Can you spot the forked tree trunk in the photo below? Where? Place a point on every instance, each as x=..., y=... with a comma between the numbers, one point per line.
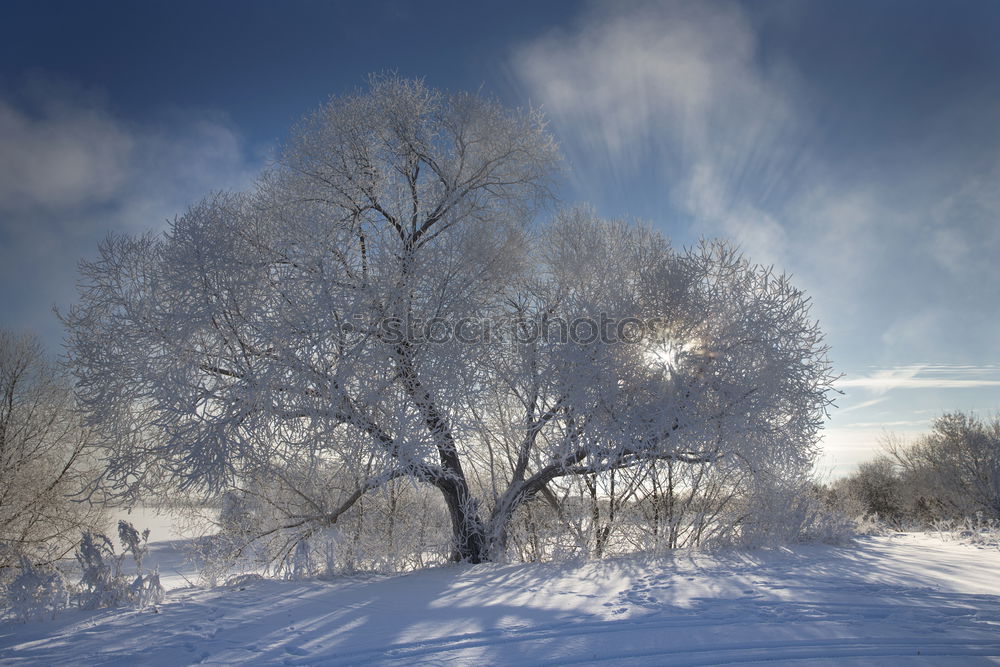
x=469, y=541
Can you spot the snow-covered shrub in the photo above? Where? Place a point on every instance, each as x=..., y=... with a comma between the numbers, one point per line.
x=648, y=509
x=782, y=512
x=103, y=582
x=36, y=592
x=558, y=528
x=684, y=506
x=292, y=523
x=955, y=468
x=877, y=486
x=821, y=525
x=146, y=589
x=670, y=506
x=133, y=542
x=976, y=530
x=219, y=554
x=872, y=524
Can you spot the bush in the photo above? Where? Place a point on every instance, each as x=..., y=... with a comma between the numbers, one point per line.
x=878, y=488
x=975, y=530
x=275, y=525
x=103, y=582
x=36, y=592
x=41, y=590
x=785, y=513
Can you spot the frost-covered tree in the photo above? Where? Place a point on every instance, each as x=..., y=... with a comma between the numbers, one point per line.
x=954, y=471
x=877, y=486
x=42, y=457
x=385, y=304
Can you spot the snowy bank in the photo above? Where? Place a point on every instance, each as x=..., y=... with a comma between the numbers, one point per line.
x=886, y=600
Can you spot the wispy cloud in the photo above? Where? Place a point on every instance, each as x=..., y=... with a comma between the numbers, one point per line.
x=668, y=97
x=846, y=447
x=863, y=406
x=71, y=172
x=683, y=112
x=65, y=156
x=930, y=376
x=900, y=423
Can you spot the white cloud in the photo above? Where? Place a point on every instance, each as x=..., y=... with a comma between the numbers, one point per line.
x=624, y=78
x=66, y=156
x=71, y=171
x=845, y=447
x=901, y=423
x=757, y=232
x=938, y=376
x=964, y=228
x=174, y=166
x=677, y=108
x=862, y=406
x=673, y=88
x=670, y=102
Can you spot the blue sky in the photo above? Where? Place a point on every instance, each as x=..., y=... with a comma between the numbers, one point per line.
x=853, y=144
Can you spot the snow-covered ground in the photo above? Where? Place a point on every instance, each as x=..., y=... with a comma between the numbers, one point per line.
x=906, y=599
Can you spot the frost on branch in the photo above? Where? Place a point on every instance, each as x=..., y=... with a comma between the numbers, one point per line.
x=268, y=331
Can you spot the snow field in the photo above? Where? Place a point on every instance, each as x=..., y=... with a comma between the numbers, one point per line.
x=905, y=599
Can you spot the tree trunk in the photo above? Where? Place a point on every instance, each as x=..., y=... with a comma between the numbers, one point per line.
x=469, y=543
x=468, y=534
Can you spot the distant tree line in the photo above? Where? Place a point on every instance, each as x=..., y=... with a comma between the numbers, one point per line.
x=951, y=473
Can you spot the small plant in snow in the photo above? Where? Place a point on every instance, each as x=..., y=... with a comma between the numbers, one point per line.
x=36, y=592
x=133, y=542
x=301, y=561
x=145, y=590
x=976, y=530
x=103, y=584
